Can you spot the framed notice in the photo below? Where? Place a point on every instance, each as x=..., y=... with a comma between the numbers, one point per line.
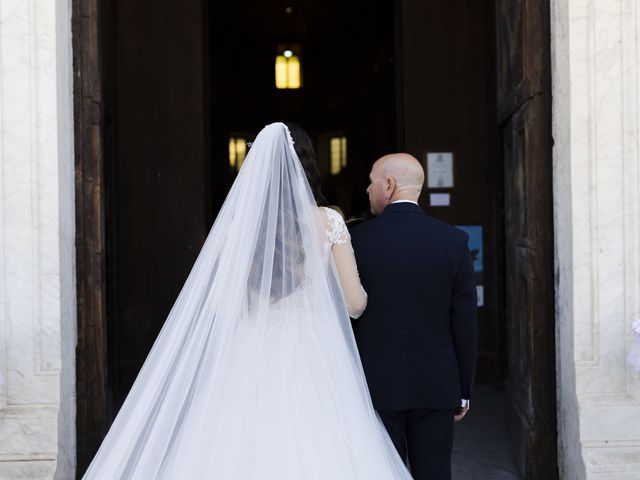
x=439, y=169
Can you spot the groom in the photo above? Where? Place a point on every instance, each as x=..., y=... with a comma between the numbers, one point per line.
x=417, y=337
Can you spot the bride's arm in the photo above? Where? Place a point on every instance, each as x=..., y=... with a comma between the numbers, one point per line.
x=345, y=261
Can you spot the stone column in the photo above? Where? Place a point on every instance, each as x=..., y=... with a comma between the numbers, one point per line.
x=596, y=104
x=37, y=291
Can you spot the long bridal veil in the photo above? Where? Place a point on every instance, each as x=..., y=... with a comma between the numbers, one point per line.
x=255, y=374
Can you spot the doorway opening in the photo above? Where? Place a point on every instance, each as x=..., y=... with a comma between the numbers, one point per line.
x=345, y=99
x=186, y=85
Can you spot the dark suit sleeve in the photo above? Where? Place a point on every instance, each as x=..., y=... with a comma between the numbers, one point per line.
x=463, y=321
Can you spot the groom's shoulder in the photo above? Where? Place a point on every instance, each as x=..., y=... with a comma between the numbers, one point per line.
x=443, y=226
x=447, y=229
x=360, y=226
x=367, y=230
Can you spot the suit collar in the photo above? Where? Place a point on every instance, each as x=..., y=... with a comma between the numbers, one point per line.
x=403, y=207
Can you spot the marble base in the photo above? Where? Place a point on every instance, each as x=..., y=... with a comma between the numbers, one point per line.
x=27, y=470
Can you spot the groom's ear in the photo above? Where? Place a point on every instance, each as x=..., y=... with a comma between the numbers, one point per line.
x=390, y=186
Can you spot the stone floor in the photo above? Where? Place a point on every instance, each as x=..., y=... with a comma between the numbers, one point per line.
x=481, y=445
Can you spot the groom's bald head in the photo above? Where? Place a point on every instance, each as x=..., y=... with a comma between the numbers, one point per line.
x=407, y=171
x=398, y=176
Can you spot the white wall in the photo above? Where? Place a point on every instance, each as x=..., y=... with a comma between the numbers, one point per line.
x=37, y=291
x=595, y=68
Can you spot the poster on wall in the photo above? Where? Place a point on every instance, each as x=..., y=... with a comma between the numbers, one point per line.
x=440, y=169
x=476, y=249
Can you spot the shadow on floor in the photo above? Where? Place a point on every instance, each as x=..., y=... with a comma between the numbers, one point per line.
x=481, y=443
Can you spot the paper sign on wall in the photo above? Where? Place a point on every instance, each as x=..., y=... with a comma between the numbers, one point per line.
x=480, y=294
x=440, y=169
x=439, y=200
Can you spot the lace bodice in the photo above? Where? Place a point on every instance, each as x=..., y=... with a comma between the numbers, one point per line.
x=338, y=241
x=337, y=233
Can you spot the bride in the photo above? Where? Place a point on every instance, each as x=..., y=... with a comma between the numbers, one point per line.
x=255, y=374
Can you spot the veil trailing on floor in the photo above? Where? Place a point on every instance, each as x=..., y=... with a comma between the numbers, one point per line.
x=255, y=374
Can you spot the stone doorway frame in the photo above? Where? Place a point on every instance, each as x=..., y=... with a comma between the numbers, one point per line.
x=91, y=355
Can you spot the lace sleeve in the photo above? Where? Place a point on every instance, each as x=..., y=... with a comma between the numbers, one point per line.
x=337, y=232
x=345, y=261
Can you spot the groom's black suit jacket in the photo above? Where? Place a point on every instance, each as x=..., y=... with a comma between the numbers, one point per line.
x=417, y=337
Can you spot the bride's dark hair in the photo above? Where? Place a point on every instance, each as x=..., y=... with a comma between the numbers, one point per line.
x=307, y=155
x=287, y=276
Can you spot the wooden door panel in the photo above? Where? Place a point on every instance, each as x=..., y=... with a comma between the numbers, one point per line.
x=522, y=53
x=156, y=171
x=509, y=60
x=523, y=111
x=91, y=400
x=529, y=290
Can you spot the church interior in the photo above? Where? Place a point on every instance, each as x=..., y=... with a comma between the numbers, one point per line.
x=187, y=85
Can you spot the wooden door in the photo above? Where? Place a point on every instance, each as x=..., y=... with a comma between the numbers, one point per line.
x=91, y=355
x=142, y=200
x=156, y=170
x=523, y=108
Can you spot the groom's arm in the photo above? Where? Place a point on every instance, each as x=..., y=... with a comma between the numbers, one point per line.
x=463, y=321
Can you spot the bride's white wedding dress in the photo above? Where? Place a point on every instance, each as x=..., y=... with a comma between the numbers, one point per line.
x=255, y=374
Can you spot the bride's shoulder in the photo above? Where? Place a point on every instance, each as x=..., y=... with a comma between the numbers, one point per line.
x=332, y=212
x=335, y=225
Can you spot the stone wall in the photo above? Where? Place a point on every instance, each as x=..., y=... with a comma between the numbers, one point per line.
x=596, y=107
x=37, y=292
x=596, y=58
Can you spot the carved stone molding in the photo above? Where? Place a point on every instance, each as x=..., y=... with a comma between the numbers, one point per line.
x=36, y=262
x=596, y=67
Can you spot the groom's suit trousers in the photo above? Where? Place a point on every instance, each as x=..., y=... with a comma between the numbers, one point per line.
x=424, y=437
